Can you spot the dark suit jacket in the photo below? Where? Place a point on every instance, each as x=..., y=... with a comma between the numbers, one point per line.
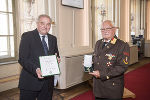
x=112, y=62
x=29, y=51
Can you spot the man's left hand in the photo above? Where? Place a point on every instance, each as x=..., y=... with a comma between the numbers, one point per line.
x=58, y=59
x=39, y=73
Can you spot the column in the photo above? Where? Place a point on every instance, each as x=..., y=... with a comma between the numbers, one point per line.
x=147, y=35
x=125, y=20
x=137, y=14
x=148, y=21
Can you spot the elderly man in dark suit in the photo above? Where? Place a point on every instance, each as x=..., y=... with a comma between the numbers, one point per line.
x=34, y=44
x=110, y=61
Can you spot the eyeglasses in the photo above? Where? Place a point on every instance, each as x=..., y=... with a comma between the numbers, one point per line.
x=107, y=29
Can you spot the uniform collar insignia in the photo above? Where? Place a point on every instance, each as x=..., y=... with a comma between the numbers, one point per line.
x=113, y=40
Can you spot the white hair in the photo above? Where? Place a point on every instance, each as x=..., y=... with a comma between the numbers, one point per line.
x=43, y=15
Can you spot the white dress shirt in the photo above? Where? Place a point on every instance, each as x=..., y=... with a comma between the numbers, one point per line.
x=46, y=39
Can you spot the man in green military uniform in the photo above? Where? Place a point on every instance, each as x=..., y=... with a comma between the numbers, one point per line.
x=110, y=60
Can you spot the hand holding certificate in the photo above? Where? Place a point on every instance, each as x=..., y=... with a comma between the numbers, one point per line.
x=88, y=63
x=49, y=65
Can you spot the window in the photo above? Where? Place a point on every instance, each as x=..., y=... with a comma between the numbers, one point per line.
x=7, y=33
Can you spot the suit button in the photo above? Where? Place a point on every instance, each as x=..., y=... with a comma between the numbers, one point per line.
x=113, y=84
x=97, y=63
x=107, y=77
x=99, y=57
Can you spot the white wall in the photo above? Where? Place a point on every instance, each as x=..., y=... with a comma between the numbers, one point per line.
x=74, y=29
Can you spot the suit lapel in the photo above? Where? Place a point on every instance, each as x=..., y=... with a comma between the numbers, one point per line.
x=38, y=41
x=49, y=42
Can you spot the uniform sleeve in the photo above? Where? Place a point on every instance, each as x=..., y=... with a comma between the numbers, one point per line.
x=24, y=55
x=120, y=66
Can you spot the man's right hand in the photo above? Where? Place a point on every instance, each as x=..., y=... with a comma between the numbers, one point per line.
x=95, y=73
x=39, y=73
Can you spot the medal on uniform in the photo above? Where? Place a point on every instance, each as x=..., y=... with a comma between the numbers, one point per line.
x=110, y=56
x=109, y=64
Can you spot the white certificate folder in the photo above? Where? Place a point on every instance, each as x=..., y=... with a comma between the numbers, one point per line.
x=49, y=65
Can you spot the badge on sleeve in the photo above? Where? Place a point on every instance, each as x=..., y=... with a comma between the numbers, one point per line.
x=126, y=53
x=125, y=60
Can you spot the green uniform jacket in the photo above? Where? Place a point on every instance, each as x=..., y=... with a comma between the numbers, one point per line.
x=112, y=62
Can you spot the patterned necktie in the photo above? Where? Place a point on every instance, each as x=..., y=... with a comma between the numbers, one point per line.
x=44, y=45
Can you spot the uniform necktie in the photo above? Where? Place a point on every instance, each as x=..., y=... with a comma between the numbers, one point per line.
x=44, y=45
x=104, y=43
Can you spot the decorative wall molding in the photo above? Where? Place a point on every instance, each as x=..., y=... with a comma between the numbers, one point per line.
x=9, y=79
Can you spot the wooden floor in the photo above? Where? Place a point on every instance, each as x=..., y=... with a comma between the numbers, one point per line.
x=67, y=94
